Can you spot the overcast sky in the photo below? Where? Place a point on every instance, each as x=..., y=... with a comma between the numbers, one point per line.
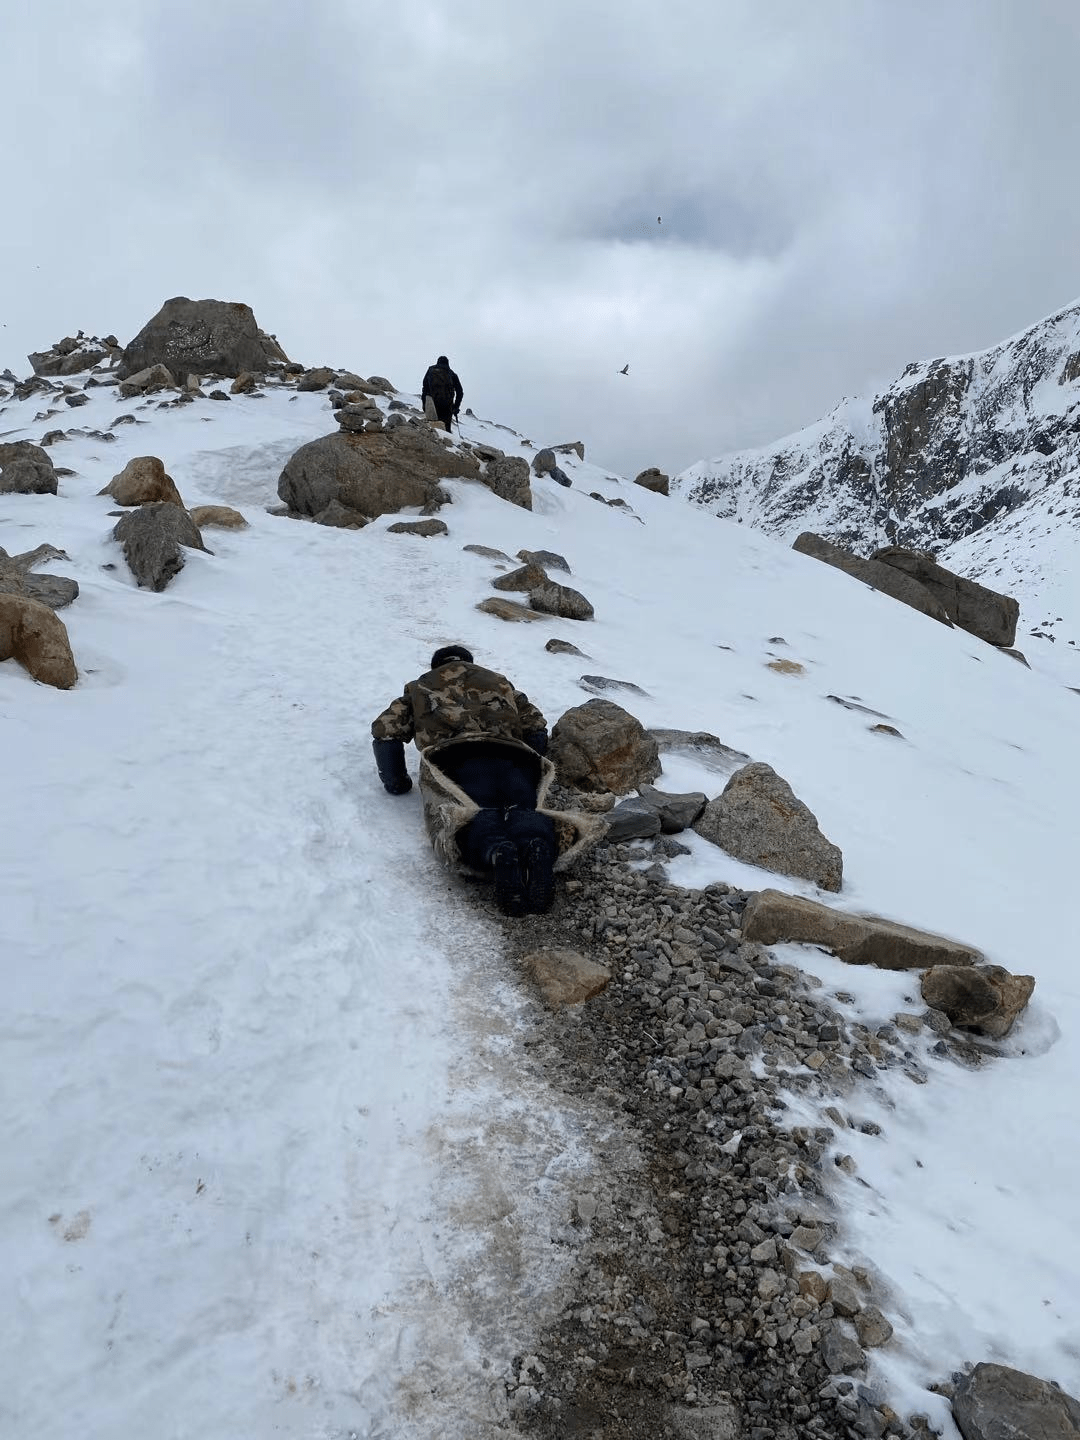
x=843, y=186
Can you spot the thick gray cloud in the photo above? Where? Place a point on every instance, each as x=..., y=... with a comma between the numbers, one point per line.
x=842, y=187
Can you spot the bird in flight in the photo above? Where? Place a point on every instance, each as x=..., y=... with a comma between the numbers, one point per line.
x=625, y=370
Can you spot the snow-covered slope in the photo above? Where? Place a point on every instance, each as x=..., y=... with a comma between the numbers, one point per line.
x=269, y=1125
x=984, y=445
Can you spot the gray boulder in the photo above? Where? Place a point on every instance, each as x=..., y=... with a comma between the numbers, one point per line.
x=524, y=578
x=602, y=685
x=209, y=337
x=995, y=1402
x=984, y=613
x=887, y=578
x=508, y=478
x=26, y=469
x=759, y=820
x=564, y=647
x=317, y=379
x=553, y=599
x=373, y=474
x=986, y=999
x=16, y=578
x=424, y=528
x=632, y=820
x=600, y=747
x=550, y=559
x=153, y=538
x=147, y=381
x=544, y=462
x=676, y=812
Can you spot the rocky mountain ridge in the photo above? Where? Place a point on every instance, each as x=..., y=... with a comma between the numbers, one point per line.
x=952, y=447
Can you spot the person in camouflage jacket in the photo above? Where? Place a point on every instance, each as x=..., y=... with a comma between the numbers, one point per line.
x=483, y=777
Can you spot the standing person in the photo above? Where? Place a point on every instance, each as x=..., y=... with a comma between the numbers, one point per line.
x=443, y=388
x=483, y=778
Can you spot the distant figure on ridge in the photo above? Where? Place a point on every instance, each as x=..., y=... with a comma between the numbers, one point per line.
x=483, y=778
x=443, y=388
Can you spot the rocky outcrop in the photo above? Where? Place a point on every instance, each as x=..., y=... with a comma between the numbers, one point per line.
x=985, y=998
x=773, y=918
x=153, y=539
x=223, y=517
x=653, y=479
x=759, y=820
x=566, y=977
x=995, y=1402
x=202, y=337
x=16, y=578
x=143, y=481
x=599, y=746
x=74, y=354
x=887, y=578
x=970, y=606
x=37, y=638
x=26, y=469
x=373, y=474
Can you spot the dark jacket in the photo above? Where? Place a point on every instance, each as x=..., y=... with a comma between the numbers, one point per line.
x=457, y=700
x=443, y=386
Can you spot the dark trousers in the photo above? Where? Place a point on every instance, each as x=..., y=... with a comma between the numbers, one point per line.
x=445, y=411
x=503, y=784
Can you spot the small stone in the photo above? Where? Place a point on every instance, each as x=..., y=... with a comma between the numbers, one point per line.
x=908, y=1022
x=843, y=1297
x=872, y=1328
x=812, y=1285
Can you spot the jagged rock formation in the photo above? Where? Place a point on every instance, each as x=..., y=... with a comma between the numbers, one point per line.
x=948, y=448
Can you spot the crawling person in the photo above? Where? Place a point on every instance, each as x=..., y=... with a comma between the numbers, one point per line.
x=483, y=778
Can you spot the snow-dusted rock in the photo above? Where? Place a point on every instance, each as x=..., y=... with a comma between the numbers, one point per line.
x=37, y=638
x=143, y=481
x=26, y=469
x=223, y=517
x=549, y=559
x=973, y=607
x=153, y=538
x=995, y=1402
x=508, y=477
x=374, y=474
x=759, y=819
x=600, y=746
x=654, y=479
x=773, y=918
x=16, y=578
x=562, y=600
x=424, y=528
x=984, y=998
x=147, y=380
x=544, y=462
x=524, y=578
x=892, y=581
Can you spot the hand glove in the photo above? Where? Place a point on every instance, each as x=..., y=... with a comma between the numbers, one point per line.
x=537, y=740
x=390, y=760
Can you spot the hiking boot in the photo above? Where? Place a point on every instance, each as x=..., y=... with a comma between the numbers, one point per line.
x=509, y=883
x=539, y=875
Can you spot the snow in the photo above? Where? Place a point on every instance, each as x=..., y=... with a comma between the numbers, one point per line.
x=277, y=1159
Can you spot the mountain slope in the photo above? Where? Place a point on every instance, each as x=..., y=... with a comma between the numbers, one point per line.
x=278, y=1158
x=952, y=449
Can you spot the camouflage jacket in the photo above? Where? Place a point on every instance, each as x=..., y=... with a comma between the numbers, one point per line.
x=458, y=699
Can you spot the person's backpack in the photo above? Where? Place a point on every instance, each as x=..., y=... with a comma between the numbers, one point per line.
x=440, y=384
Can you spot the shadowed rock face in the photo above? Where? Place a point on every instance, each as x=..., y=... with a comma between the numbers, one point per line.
x=204, y=337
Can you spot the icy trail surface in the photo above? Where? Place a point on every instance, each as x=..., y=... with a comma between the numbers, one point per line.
x=275, y=1159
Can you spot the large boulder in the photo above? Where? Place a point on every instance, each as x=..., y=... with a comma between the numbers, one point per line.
x=599, y=746
x=204, y=337
x=16, y=578
x=508, y=478
x=143, y=481
x=153, y=538
x=26, y=469
x=653, y=479
x=562, y=600
x=759, y=820
x=37, y=638
x=373, y=474
x=987, y=999
x=886, y=578
x=773, y=918
x=995, y=1402
x=982, y=612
